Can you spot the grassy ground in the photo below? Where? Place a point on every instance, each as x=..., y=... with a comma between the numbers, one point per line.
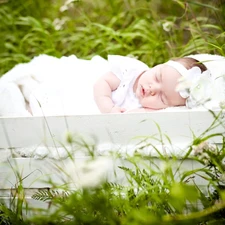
x=152, y=30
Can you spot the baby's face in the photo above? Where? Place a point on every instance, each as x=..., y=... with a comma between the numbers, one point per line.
x=156, y=88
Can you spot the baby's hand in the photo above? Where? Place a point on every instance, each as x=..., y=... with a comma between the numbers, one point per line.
x=117, y=109
x=138, y=110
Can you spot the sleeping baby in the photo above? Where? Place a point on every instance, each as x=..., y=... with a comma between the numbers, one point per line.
x=71, y=86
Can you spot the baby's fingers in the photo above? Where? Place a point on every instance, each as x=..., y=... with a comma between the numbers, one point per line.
x=122, y=110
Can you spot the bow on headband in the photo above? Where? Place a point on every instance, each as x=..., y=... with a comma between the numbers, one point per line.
x=195, y=86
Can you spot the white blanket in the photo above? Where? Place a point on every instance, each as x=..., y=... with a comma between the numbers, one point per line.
x=51, y=86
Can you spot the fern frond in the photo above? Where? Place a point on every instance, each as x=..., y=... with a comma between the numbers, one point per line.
x=48, y=195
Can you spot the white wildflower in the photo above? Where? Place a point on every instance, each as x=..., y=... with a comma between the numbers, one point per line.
x=206, y=161
x=167, y=26
x=59, y=23
x=204, y=146
x=88, y=174
x=202, y=151
x=204, y=156
x=63, y=8
x=67, y=5
x=199, y=149
x=68, y=2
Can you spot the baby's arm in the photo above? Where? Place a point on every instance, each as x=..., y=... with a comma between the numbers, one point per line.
x=103, y=93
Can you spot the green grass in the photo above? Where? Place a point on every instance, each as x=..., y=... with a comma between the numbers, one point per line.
x=158, y=190
x=151, y=30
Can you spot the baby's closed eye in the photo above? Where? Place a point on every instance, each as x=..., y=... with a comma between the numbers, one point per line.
x=163, y=98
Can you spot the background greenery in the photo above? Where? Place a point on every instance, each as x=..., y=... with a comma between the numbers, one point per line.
x=152, y=30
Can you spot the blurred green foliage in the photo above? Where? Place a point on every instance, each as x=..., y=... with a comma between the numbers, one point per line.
x=151, y=30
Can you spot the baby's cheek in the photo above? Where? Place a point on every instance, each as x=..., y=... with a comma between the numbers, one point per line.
x=148, y=102
x=153, y=102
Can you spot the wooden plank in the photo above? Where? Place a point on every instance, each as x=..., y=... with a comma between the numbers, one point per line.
x=29, y=172
x=201, y=121
x=44, y=173
x=117, y=128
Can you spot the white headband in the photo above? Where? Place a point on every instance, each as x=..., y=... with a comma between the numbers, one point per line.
x=178, y=66
x=183, y=72
x=191, y=86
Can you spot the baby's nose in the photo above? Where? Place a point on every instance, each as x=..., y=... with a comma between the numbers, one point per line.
x=149, y=91
x=153, y=89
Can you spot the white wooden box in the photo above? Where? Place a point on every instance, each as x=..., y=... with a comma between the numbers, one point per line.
x=31, y=147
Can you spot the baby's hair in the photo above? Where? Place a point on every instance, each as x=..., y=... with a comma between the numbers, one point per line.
x=189, y=62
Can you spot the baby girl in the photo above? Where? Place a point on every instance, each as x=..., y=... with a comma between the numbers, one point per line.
x=52, y=86
x=158, y=88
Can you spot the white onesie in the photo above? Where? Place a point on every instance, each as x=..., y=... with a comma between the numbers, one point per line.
x=127, y=70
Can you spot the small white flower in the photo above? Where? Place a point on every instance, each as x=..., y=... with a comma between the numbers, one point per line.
x=206, y=161
x=68, y=2
x=204, y=146
x=167, y=26
x=67, y=5
x=63, y=8
x=199, y=149
x=204, y=156
x=59, y=23
x=88, y=174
